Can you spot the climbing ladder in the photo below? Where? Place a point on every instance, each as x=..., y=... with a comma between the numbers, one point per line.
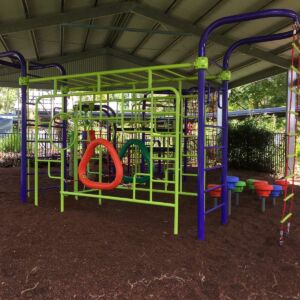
x=291, y=133
x=217, y=146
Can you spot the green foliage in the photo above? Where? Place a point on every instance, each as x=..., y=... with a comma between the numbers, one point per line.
x=298, y=151
x=10, y=142
x=268, y=122
x=270, y=92
x=8, y=99
x=252, y=146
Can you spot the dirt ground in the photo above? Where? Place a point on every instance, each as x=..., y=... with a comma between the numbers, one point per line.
x=124, y=251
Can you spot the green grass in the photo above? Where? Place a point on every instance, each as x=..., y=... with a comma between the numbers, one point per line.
x=10, y=142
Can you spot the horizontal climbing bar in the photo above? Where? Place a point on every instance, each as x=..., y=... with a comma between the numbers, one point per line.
x=214, y=208
x=290, y=176
x=213, y=188
x=288, y=197
x=288, y=216
x=106, y=197
x=296, y=47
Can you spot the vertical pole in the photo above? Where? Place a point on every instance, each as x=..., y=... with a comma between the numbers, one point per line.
x=143, y=134
x=177, y=167
x=229, y=202
x=62, y=181
x=75, y=152
x=36, y=155
x=23, y=138
x=200, y=158
x=185, y=139
x=64, y=143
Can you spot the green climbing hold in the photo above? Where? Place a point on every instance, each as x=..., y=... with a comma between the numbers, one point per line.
x=146, y=155
x=239, y=187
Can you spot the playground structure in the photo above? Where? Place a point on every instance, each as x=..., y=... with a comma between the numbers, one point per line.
x=159, y=118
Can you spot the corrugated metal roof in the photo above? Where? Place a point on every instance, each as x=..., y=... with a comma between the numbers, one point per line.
x=76, y=32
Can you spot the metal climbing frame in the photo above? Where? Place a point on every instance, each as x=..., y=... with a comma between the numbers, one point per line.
x=18, y=62
x=225, y=76
x=147, y=106
x=163, y=104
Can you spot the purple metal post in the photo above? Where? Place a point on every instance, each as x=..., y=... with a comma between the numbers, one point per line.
x=224, y=193
x=22, y=66
x=253, y=40
x=201, y=108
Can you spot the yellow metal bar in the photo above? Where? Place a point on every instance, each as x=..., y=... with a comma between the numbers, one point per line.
x=295, y=69
x=288, y=197
x=292, y=112
x=290, y=176
x=296, y=47
x=286, y=218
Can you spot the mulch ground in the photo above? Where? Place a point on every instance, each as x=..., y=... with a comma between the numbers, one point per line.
x=124, y=251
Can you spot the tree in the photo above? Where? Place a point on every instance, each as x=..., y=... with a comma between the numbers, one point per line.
x=269, y=92
x=8, y=99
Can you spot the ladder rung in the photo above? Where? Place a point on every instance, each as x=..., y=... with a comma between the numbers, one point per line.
x=213, y=126
x=290, y=176
x=291, y=134
x=295, y=69
x=291, y=155
x=286, y=218
x=48, y=160
x=214, y=208
x=214, y=147
x=162, y=113
x=295, y=90
x=189, y=136
x=292, y=112
x=189, y=174
x=163, y=181
x=213, y=188
x=213, y=168
x=190, y=155
x=163, y=158
x=288, y=197
x=296, y=47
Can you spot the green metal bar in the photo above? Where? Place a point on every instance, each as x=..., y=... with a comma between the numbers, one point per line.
x=49, y=169
x=106, y=197
x=36, y=155
x=188, y=194
x=62, y=182
x=114, y=72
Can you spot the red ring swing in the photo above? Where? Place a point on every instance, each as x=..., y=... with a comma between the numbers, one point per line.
x=89, y=152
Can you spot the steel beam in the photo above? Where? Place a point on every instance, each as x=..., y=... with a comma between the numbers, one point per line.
x=154, y=28
x=71, y=16
x=91, y=22
x=256, y=76
x=178, y=39
x=197, y=30
x=32, y=34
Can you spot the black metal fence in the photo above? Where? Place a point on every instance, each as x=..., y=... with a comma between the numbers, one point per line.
x=257, y=154
x=243, y=154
